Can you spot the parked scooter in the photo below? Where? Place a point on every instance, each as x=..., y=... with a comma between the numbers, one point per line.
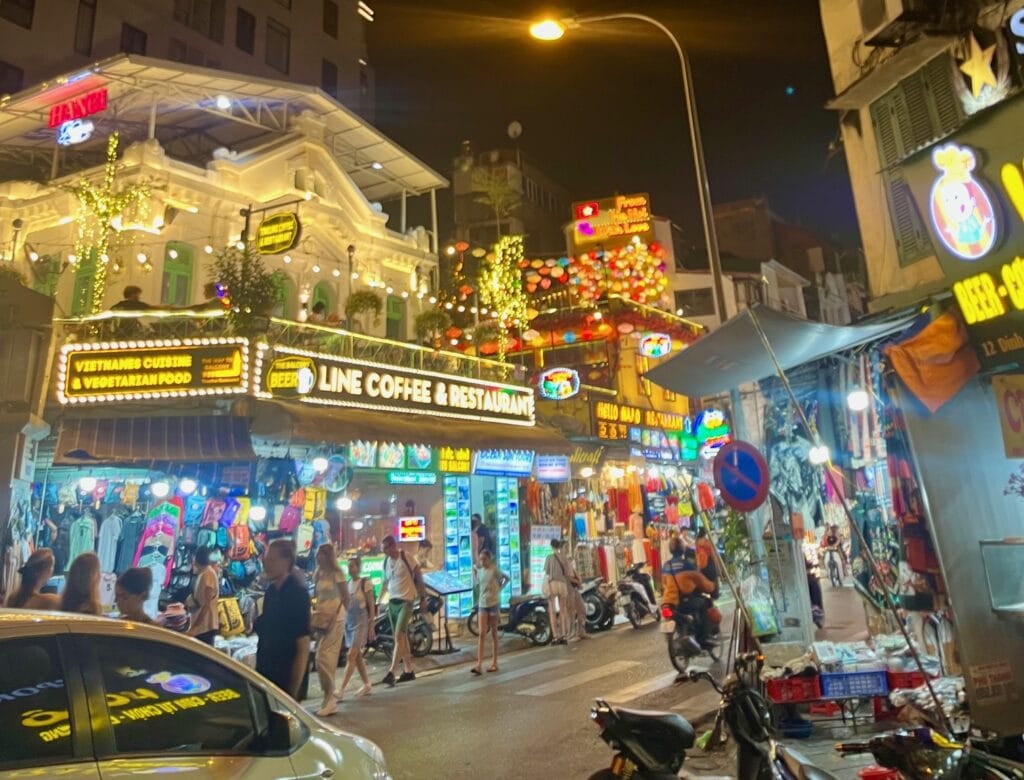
x=601, y=601
x=653, y=745
x=636, y=596
x=421, y=634
x=527, y=616
x=922, y=753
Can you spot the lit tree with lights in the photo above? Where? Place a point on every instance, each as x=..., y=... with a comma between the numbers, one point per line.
x=501, y=288
x=98, y=205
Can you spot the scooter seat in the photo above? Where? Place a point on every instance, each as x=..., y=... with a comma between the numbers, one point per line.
x=664, y=725
x=800, y=767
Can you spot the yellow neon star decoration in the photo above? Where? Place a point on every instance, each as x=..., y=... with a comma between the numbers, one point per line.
x=978, y=67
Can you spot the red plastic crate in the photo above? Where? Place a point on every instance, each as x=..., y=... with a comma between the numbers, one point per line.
x=908, y=680
x=790, y=690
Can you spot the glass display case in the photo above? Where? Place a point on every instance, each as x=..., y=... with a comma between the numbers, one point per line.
x=458, y=555
x=1003, y=560
x=508, y=537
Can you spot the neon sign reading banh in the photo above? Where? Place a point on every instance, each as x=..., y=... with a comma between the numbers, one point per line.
x=961, y=212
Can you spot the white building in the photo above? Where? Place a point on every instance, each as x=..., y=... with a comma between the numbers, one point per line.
x=316, y=42
x=210, y=145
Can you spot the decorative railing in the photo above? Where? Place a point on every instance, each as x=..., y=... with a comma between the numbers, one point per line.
x=134, y=326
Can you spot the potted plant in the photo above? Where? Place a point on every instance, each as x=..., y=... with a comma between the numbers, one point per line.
x=431, y=324
x=363, y=302
x=251, y=289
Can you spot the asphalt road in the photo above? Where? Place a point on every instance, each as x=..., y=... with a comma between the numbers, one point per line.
x=531, y=719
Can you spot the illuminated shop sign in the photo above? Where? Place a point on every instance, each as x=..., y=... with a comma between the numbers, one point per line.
x=612, y=222
x=503, y=463
x=113, y=371
x=412, y=529
x=74, y=132
x=610, y=412
x=712, y=432
x=655, y=345
x=278, y=233
x=79, y=107
x=557, y=384
x=284, y=372
x=1009, y=392
x=454, y=460
x=961, y=212
x=553, y=468
x=412, y=478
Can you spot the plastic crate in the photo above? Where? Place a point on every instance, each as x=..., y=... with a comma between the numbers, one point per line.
x=789, y=690
x=904, y=680
x=854, y=685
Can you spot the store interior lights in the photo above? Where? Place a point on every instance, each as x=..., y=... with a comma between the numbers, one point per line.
x=357, y=525
x=258, y=513
x=223, y=102
x=586, y=472
x=320, y=464
x=160, y=488
x=818, y=455
x=344, y=504
x=858, y=400
x=187, y=486
x=87, y=484
x=615, y=472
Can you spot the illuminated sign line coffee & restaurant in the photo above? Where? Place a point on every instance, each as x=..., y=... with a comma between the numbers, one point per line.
x=317, y=378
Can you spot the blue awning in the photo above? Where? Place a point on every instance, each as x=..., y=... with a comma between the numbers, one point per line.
x=735, y=354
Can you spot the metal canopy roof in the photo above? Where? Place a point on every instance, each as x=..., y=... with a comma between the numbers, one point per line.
x=190, y=126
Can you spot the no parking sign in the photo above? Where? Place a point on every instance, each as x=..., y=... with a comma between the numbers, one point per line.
x=742, y=476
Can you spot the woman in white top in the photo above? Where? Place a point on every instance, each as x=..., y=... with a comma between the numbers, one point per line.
x=362, y=614
x=328, y=622
x=556, y=581
x=490, y=580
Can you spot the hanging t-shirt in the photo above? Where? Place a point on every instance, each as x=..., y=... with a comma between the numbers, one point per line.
x=131, y=533
x=82, y=537
x=110, y=533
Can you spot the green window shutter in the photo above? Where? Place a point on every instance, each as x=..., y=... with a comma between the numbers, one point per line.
x=947, y=113
x=82, y=293
x=396, y=318
x=176, y=285
x=321, y=294
x=47, y=274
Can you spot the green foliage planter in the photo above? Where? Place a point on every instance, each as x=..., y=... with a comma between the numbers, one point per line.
x=431, y=325
x=361, y=303
x=251, y=288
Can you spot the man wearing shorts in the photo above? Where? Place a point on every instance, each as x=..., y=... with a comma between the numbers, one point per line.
x=404, y=585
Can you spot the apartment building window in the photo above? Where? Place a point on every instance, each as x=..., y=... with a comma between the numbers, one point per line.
x=133, y=40
x=329, y=78
x=203, y=16
x=18, y=11
x=245, y=31
x=85, y=24
x=331, y=18
x=278, y=45
x=179, y=51
x=696, y=303
x=12, y=78
x=919, y=110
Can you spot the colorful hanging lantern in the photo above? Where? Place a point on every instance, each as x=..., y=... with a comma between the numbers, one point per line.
x=655, y=345
x=557, y=384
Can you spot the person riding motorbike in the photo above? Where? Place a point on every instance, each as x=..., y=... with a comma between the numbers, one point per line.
x=833, y=540
x=682, y=585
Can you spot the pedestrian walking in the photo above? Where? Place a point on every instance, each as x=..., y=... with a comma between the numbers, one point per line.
x=556, y=589
x=205, y=624
x=577, y=617
x=82, y=590
x=34, y=575
x=404, y=583
x=491, y=580
x=359, y=622
x=130, y=594
x=282, y=654
x=328, y=622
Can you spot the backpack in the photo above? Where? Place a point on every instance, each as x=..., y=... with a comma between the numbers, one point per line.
x=316, y=503
x=231, y=623
x=291, y=518
x=239, y=542
x=223, y=542
x=211, y=517
x=195, y=506
x=231, y=511
x=206, y=537
x=321, y=533
x=304, y=539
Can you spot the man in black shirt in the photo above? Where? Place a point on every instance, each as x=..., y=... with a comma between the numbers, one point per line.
x=283, y=651
x=132, y=300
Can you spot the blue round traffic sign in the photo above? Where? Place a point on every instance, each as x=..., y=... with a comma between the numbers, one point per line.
x=742, y=476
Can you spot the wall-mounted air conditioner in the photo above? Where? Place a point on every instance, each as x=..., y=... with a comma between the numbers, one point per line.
x=892, y=22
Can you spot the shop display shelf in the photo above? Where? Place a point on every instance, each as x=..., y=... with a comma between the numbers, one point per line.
x=791, y=690
x=854, y=685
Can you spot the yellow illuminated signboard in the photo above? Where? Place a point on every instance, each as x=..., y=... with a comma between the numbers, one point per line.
x=330, y=380
x=454, y=460
x=114, y=371
x=612, y=222
x=278, y=233
x=991, y=303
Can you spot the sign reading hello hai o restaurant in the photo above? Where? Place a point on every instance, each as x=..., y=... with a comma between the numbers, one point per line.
x=317, y=378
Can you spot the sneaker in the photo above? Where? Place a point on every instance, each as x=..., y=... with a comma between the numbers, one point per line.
x=389, y=680
x=407, y=677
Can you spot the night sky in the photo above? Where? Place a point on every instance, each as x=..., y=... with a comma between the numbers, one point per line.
x=602, y=109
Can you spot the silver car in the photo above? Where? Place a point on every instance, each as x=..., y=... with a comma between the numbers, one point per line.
x=86, y=697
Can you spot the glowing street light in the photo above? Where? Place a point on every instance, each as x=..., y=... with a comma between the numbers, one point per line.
x=547, y=30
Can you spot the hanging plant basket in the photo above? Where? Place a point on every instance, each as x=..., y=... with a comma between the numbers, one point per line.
x=431, y=323
x=364, y=302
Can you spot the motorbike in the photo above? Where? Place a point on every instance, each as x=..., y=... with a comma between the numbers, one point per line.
x=653, y=745
x=833, y=565
x=922, y=753
x=419, y=630
x=681, y=631
x=527, y=616
x=636, y=596
x=600, y=599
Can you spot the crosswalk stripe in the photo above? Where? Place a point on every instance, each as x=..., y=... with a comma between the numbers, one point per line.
x=579, y=678
x=641, y=688
x=495, y=679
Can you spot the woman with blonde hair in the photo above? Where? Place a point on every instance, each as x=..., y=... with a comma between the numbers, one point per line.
x=359, y=622
x=82, y=591
x=34, y=575
x=328, y=622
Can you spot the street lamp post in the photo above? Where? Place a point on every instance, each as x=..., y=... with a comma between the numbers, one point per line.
x=551, y=30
